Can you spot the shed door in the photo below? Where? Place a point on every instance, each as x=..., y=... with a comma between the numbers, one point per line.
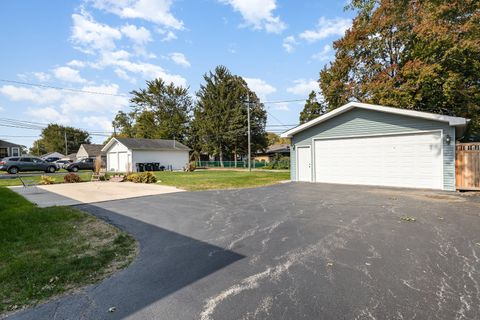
x=409, y=160
x=122, y=162
x=304, y=164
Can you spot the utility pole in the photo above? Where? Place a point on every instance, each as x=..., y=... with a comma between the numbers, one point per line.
x=66, y=147
x=248, y=125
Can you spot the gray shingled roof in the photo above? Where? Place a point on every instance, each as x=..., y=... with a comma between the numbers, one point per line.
x=93, y=150
x=6, y=144
x=152, y=144
x=278, y=148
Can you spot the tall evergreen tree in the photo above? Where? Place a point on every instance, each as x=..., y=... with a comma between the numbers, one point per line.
x=421, y=55
x=220, y=116
x=312, y=108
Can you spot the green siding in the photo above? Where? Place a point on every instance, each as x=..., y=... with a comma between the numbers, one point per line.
x=358, y=122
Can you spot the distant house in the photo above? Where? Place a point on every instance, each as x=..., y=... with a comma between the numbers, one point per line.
x=123, y=154
x=8, y=149
x=71, y=156
x=90, y=151
x=272, y=151
x=53, y=155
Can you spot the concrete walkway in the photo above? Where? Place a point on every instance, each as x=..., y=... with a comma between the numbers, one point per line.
x=68, y=194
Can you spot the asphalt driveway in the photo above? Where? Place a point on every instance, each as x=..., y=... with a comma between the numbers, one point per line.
x=291, y=251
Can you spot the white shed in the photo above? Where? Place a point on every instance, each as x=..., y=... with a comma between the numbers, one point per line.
x=123, y=154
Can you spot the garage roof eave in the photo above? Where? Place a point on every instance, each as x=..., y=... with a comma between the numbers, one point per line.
x=452, y=121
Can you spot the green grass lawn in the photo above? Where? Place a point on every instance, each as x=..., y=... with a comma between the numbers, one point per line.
x=220, y=179
x=84, y=175
x=47, y=251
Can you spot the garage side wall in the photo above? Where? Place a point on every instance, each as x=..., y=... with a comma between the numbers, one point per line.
x=361, y=122
x=177, y=159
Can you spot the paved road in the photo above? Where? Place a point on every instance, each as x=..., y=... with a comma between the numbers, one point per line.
x=291, y=251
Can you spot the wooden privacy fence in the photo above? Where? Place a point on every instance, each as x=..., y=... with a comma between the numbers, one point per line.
x=467, y=166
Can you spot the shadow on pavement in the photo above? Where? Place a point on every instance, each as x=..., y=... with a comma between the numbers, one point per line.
x=167, y=262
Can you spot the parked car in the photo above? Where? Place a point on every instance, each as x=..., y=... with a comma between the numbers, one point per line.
x=52, y=159
x=62, y=163
x=84, y=164
x=14, y=165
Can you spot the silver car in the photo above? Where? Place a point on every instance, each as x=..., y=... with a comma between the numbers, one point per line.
x=14, y=165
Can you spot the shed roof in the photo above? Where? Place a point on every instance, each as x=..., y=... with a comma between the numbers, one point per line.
x=452, y=121
x=93, y=150
x=278, y=148
x=148, y=144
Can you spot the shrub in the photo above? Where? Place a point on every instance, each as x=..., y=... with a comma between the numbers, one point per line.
x=278, y=162
x=106, y=177
x=72, y=178
x=46, y=180
x=191, y=166
x=98, y=164
x=143, y=177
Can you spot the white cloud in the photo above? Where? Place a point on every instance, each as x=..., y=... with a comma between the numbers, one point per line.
x=2, y=108
x=289, y=44
x=49, y=114
x=138, y=35
x=260, y=87
x=89, y=35
x=156, y=11
x=37, y=95
x=76, y=64
x=303, y=87
x=41, y=76
x=69, y=102
x=74, y=102
x=101, y=122
x=68, y=74
x=124, y=75
x=258, y=14
x=167, y=35
x=180, y=59
x=323, y=55
x=150, y=71
x=327, y=28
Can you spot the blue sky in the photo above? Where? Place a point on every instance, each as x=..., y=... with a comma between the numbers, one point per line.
x=113, y=46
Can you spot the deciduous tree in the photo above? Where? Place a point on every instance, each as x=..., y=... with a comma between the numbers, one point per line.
x=420, y=55
x=53, y=140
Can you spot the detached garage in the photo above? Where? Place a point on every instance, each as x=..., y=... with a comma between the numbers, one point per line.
x=123, y=154
x=367, y=144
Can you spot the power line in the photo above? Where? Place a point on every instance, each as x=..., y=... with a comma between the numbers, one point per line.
x=111, y=94
x=62, y=88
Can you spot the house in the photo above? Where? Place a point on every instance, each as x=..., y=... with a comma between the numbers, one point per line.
x=8, y=149
x=272, y=151
x=53, y=155
x=71, y=157
x=123, y=154
x=367, y=144
x=90, y=151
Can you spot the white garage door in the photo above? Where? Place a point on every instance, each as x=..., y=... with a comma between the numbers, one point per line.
x=410, y=160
